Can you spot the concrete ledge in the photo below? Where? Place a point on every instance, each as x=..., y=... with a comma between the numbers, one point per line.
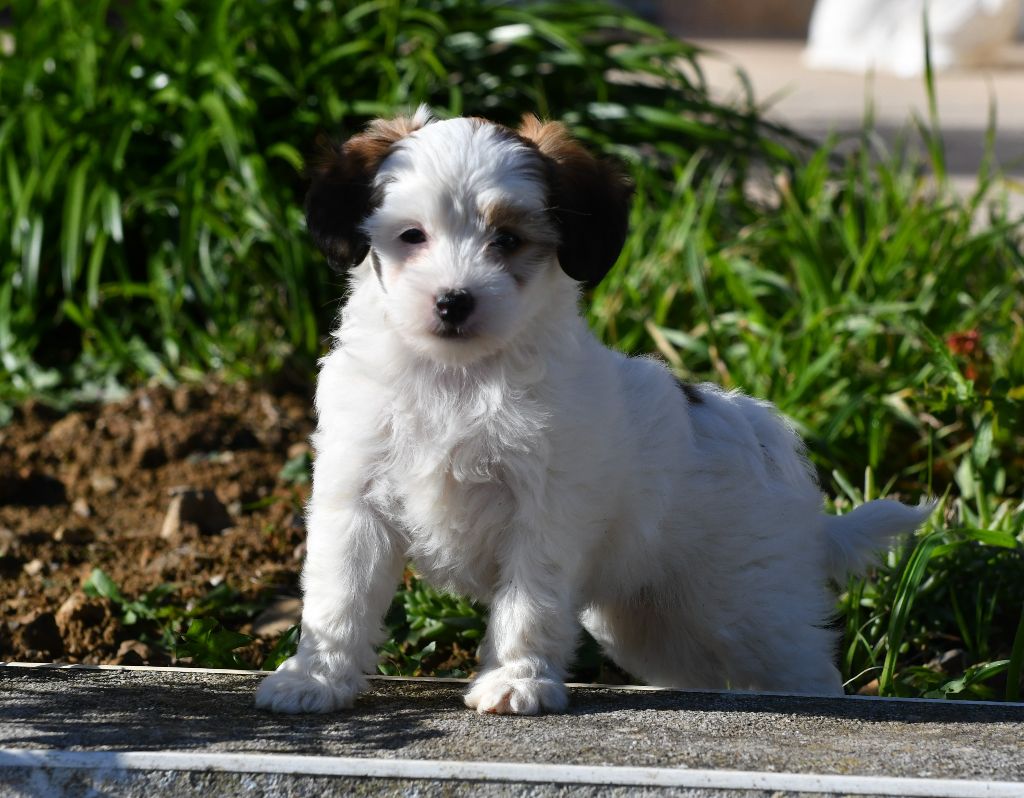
x=120, y=731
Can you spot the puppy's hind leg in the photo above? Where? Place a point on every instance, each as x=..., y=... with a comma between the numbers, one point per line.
x=783, y=655
x=656, y=642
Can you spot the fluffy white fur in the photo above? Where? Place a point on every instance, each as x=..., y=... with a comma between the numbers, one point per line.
x=524, y=464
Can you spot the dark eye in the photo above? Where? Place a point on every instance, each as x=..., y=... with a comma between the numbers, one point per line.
x=413, y=236
x=506, y=242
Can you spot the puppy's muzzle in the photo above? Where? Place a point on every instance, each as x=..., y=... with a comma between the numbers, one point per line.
x=453, y=309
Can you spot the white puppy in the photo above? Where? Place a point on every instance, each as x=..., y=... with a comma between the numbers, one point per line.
x=470, y=422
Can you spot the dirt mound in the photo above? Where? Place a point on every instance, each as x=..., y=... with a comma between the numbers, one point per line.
x=183, y=487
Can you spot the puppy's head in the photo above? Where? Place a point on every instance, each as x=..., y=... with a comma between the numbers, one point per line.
x=471, y=228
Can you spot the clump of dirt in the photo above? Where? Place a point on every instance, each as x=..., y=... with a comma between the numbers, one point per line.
x=179, y=486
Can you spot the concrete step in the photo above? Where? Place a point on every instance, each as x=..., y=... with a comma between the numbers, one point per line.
x=144, y=731
x=818, y=103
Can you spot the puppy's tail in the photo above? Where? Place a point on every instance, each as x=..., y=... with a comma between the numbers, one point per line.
x=855, y=538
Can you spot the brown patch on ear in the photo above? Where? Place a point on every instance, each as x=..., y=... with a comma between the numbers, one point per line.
x=589, y=197
x=340, y=192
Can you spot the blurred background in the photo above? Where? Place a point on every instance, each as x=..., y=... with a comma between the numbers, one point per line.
x=825, y=66
x=817, y=223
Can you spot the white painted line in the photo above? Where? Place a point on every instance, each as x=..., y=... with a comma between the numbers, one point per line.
x=69, y=666
x=215, y=671
x=302, y=765
x=618, y=688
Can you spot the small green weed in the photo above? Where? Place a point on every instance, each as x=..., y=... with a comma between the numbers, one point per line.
x=430, y=632
x=285, y=647
x=195, y=628
x=297, y=470
x=208, y=644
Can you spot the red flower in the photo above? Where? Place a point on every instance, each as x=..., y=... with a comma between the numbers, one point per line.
x=964, y=343
x=967, y=344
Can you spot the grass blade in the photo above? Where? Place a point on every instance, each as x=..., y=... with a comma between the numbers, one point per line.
x=71, y=232
x=910, y=581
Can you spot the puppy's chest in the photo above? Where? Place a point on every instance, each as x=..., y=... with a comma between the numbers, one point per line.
x=456, y=472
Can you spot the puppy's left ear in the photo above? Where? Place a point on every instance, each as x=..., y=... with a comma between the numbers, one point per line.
x=590, y=201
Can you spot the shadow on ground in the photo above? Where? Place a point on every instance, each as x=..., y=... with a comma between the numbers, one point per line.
x=140, y=710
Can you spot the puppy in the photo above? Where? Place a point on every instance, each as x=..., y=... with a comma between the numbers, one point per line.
x=470, y=422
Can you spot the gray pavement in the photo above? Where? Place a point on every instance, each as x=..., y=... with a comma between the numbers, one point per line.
x=414, y=737
x=820, y=98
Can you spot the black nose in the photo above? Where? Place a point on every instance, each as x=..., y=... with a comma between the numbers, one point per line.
x=454, y=307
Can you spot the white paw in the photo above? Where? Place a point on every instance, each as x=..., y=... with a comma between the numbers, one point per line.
x=295, y=689
x=501, y=693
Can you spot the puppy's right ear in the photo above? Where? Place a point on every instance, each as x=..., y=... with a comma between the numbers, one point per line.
x=340, y=195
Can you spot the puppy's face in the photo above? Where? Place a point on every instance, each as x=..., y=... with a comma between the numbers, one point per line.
x=461, y=240
x=466, y=224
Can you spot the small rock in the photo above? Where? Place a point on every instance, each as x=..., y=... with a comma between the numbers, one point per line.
x=171, y=563
x=298, y=449
x=116, y=426
x=147, y=449
x=181, y=399
x=67, y=434
x=280, y=616
x=199, y=507
x=81, y=507
x=133, y=652
x=172, y=526
x=949, y=662
x=871, y=688
x=33, y=567
x=85, y=624
x=271, y=414
x=103, y=484
x=8, y=541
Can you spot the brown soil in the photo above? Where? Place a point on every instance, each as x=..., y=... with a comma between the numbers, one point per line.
x=179, y=487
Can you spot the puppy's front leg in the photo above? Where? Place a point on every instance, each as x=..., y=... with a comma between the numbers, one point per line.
x=530, y=637
x=352, y=566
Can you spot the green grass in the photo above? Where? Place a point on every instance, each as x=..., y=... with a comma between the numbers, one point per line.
x=151, y=157
x=150, y=227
